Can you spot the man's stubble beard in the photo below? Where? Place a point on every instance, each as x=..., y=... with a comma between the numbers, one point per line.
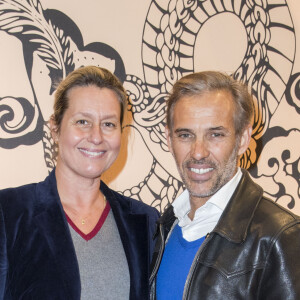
x=223, y=176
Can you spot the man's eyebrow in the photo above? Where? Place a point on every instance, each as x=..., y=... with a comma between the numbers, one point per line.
x=178, y=130
x=218, y=128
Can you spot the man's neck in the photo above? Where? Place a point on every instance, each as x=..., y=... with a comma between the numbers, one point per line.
x=195, y=203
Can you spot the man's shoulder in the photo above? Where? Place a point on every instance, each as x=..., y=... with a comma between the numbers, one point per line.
x=273, y=216
x=266, y=211
x=167, y=218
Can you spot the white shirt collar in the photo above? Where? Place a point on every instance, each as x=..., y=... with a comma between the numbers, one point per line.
x=206, y=216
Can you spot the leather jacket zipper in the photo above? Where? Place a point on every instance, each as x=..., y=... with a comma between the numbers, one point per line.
x=160, y=253
x=159, y=256
x=193, y=267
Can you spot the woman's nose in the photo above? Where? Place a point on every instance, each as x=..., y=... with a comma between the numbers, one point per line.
x=95, y=135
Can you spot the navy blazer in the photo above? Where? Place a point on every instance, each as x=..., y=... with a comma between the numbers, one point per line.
x=37, y=255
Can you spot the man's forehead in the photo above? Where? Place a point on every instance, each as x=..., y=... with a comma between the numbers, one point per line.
x=210, y=111
x=207, y=95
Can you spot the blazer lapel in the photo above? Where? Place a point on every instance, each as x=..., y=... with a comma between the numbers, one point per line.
x=52, y=223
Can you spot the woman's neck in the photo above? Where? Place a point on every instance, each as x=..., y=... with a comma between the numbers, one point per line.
x=77, y=191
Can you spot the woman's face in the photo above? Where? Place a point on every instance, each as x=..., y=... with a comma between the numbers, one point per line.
x=89, y=137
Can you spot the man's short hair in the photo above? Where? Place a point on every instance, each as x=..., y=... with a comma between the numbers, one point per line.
x=197, y=84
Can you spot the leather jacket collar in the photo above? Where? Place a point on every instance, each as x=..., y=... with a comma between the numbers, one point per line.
x=234, y=222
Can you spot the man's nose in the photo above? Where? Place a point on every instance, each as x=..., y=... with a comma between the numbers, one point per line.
x=200, y=149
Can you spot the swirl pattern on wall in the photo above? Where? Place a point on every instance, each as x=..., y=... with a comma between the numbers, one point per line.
x=170, y=32
x=16, y=116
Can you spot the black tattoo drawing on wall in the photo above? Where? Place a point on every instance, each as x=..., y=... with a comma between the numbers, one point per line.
x=53, y=46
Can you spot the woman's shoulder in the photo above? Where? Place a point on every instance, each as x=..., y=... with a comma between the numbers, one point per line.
x=26, y=200
x=135, y=206
x=17, y=192
x=16, y=201
x=22, y=195
x=27, y=190
x=140, y=205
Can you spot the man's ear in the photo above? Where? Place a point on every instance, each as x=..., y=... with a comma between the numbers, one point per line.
x=245, y=139
x=53, y=129
x=169, y=140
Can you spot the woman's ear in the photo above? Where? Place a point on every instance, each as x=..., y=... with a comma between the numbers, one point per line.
x=53, y=129
x=245, y=139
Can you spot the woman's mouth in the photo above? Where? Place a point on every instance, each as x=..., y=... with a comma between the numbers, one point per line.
x=91, y=153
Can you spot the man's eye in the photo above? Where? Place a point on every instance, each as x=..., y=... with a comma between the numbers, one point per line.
x=82, y=122
x=109, y=124
x=184, y=135
x=217, y=134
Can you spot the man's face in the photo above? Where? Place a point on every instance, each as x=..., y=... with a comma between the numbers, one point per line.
x=204, y=143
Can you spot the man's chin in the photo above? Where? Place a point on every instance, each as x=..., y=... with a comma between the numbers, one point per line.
x=200, y=193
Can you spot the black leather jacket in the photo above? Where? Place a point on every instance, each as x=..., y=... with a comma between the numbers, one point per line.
x=252, y=253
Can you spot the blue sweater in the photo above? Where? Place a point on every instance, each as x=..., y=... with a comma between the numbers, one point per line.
x=175, y=265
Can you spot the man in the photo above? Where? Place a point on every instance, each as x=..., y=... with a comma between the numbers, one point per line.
x=221, y=239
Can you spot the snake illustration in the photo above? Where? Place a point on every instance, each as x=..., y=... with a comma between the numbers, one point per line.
x=168, y=53
x=53, y=46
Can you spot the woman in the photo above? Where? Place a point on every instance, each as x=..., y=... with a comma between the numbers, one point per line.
x=70, y=236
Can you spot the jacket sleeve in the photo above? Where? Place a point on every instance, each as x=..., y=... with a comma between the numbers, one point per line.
x=281, y=278
x=3, y=256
